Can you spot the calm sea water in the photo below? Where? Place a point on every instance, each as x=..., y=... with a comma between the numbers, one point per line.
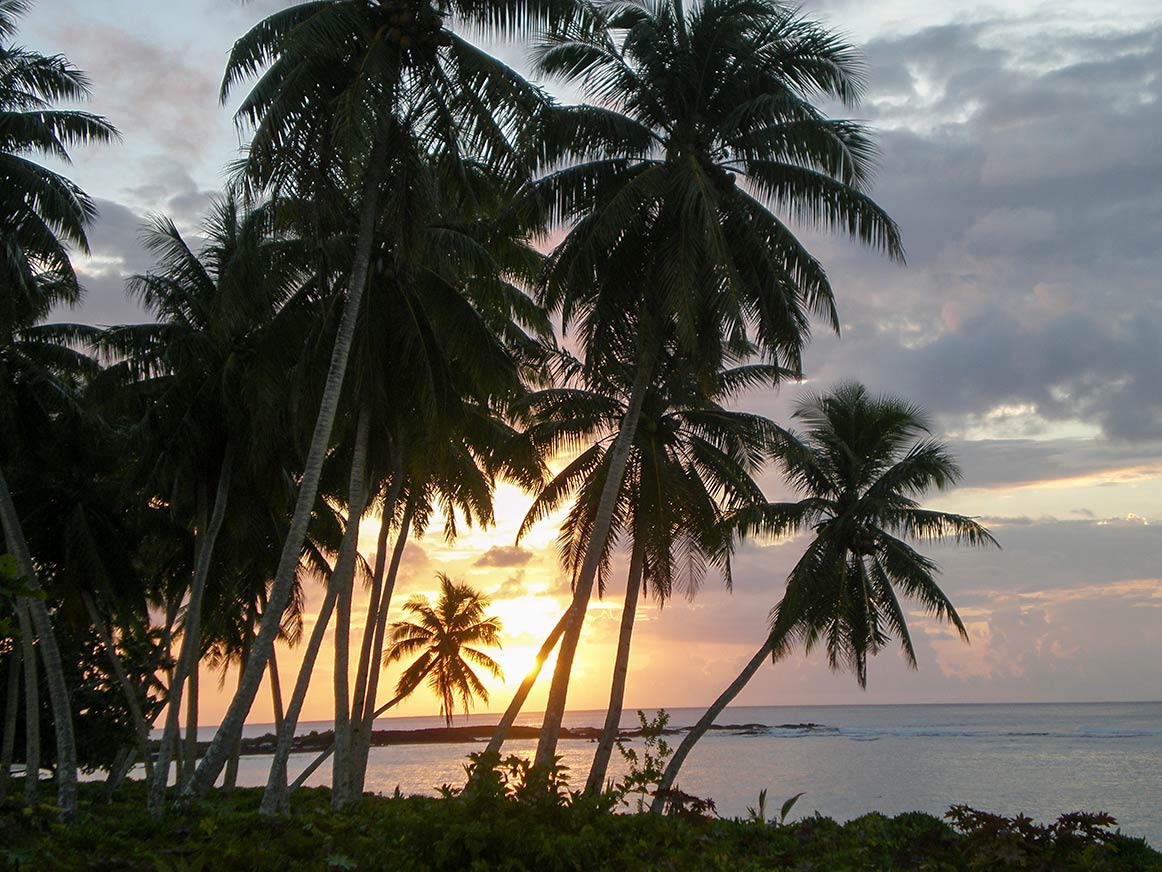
x=1039, y=759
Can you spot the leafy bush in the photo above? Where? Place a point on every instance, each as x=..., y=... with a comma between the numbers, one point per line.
x=509, y=824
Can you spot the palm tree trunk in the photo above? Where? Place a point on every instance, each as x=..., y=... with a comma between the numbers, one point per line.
x=230, y=779
x=361, y=734
x=274, y=795
x=620, y=671
x=122, y=763
x=190, y=755
x=31, y=706
x=342, y=579
x=275, y=693
x=191, y=639
x=603, y=519
x=140, y=727
x=58, y=693
x=11, y=707
x=704, y=723
x=522, y=693
x=387, y=515
x=330, y=749
x=284, y=578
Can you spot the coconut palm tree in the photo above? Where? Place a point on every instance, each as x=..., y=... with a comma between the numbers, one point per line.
x=860, y=466
x=41, y=214
x=701, y=146
x=202, y=361
x=441, y=636
x=691, y=460
x=447, y=637
x=340, y=80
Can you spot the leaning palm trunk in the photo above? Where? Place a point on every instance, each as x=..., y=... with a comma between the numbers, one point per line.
x=620, y=671
x=190, y=753
x=191, y=639
x=699, y=729
x=31, y=706
x=284, y=578
x=140, y=726
x=274, y=795
x=118, y=772
x=230, y=779
x=365, y=719
x=602, y=522
x=342, y=579
x=275, y=693
x=387, y=512
x=58, y=693
x=522, y=693
x=330, y=749
x=11, y=704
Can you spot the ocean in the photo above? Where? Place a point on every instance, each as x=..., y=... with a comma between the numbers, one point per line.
x=1038, y=759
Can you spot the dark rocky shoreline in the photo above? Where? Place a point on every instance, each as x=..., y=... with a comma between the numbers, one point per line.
x=321, y=740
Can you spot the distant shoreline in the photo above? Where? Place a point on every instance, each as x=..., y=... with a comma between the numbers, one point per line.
x=321, y=740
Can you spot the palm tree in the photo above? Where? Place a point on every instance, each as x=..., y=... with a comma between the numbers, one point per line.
x=41, y=214
x=860, y=467
x=447, y=638
x=202, y=362
x=342, y=80
x=703, y=130
x=691, y=459
x=441, y=636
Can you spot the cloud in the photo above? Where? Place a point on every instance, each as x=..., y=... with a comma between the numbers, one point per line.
x=513, y=587
x=1022, y=166
x=149, y=89
x=504, y=556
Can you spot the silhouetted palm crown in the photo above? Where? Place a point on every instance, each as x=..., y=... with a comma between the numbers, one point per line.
x=692, y=459
x=446, y=637
x=702, y=130
x=861, y=465
x=41, y=212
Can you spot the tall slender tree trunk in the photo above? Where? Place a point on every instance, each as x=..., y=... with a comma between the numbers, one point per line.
x=387, y=514
x=31, y=705
x=230, y=779
x=54, y=675
x=559, y=690
x=122, y=763
x=11, y=707
x=284, y=578
x=330, y=749
x=609, y=732
x=704, y=724
x=343, y=579
x=140, y=726
x=275, y=693
x=191, y=638
x=522, y=693
x=190, y=756
x=361, y=732
x=274, y=795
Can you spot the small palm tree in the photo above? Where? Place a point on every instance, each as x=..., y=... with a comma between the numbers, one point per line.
x=860, y=467
x=445, y=637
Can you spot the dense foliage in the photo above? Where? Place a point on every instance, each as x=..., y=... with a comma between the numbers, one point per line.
x=485, y=831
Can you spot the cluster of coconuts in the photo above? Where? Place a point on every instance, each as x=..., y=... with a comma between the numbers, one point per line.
x=416, y=26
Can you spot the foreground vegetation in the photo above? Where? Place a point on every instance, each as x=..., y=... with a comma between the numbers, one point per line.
x=481, y=829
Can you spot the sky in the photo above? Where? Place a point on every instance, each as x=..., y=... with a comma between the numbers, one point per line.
x=1020, y=158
